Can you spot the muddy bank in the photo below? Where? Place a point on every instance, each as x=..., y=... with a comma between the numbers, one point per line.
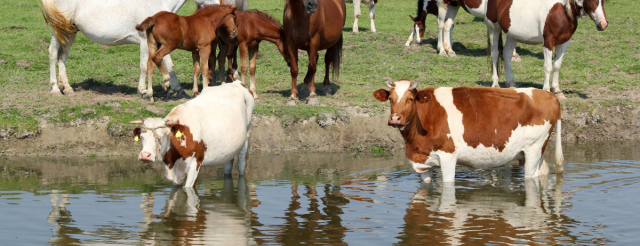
x=355, y=131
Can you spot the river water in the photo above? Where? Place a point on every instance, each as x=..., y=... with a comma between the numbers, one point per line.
x=335, y=199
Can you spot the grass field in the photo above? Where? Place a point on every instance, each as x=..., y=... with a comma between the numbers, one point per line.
x=599, y=67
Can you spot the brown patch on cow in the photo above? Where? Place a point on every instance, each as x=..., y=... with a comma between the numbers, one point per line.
x=192, y=148
x=559, y=27
x=427, y=129
x=489, y=115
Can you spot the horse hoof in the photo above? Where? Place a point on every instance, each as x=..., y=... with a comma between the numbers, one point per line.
x=165, y=85
x=69, y=93
x=495, y=86
x=452, y=55
x=151, y=101
x=56, y=93
x=560, y=96
x=443, y=54
x=292, y=102
x=313, y=101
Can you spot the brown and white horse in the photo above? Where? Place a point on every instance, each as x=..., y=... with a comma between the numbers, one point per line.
x=371, y=4
x=548, y=22
x=313, y=25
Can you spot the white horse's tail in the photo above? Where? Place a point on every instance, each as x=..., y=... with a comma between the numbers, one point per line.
x=559, y=155
x=62, y=26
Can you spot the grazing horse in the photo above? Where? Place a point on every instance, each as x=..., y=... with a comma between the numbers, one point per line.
x=446, y=11
x=168, y=31
x=551, y=23
x=107, y=22
x=253, y=27
x=313, y=25
x=371, y=4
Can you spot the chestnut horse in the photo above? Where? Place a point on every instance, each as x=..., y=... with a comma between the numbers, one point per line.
x=313, y=25
x=168, y=31
x=253, y=27
x=550, y=23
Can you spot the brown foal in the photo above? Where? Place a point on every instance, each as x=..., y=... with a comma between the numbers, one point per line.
x=167, y=31
x=253, y=27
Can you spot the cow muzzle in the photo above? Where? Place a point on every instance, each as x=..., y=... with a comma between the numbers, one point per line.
x=145, y=156
x=396, y=121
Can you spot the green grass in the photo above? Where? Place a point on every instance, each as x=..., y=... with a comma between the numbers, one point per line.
x=105, y=75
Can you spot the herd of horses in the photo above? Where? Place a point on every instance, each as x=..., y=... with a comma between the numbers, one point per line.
x=309, y=25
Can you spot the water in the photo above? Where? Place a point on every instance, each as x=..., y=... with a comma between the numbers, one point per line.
x=336, y=199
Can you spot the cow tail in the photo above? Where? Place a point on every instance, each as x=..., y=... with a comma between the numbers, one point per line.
x=63, y=27
x=337, y=59
x=559, y=155
x=146, y=24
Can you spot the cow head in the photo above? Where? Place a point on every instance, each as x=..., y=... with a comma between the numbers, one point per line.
x=154, y=135
x=403, y=97
x=595, y=9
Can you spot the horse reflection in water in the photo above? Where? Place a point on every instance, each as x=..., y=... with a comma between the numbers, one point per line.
x=490, y=214
x=190, y=219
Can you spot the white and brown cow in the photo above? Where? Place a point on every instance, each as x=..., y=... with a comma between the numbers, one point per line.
x=548, y=22
x=478, y=127
x=209, y=130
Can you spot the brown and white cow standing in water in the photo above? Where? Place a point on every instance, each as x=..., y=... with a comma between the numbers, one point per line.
x=548, y=22
x=209, y=130
x=478, y=127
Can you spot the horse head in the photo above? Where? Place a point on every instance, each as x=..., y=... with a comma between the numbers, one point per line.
x=595, y=9
x=229, y=22
x=310, y=5
x=418, y=23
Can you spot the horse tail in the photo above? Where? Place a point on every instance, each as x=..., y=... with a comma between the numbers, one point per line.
x=146, y=24
x=62, y=26
x=337, y=59
x=500, y=48
x=559, y=155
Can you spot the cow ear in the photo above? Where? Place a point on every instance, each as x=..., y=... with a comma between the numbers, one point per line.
x=137, y=131
x=177, y=130
x=423, y=97
x=381, y=95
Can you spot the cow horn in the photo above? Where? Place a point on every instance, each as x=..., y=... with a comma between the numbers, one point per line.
x=413, y=85
x=136, y=122
x=391, y=84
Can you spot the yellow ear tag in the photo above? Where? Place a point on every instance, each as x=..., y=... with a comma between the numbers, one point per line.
x=178, y=134
x=137, y=139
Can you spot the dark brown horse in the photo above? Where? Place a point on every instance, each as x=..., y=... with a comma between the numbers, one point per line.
x=167, y=31
x=313, y=25
x=253, y=27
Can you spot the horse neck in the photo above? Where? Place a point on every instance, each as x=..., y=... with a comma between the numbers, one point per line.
x=270, y=31
x=296, y=8
x=575, y=11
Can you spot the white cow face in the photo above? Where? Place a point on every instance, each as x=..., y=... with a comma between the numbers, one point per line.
x=150, y=147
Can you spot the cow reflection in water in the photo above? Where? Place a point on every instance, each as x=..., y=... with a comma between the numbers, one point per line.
x=212, y=219
x=495, y=213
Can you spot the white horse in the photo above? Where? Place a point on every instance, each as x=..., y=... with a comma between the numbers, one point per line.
x=107, y=22
x=547, y=22
x=371, y=4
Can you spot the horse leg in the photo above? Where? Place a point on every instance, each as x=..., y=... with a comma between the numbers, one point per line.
x=232, y=63
x=293, y=64
x=54, y=50
x=253, y=54
x=196, y=71
x=170, y=80
x=309, y=79
x=452, y=11
x=144, y=59
x=493, y=34
x=372, y=15
x=224, y=47
x=548, y=67
x=205, y=52
x=156, y=56
x=62, y=66
x=442, y=14
x=356, y=15
x=557, y=64
x=243, y=61
x=507, y=53
x=328, y=58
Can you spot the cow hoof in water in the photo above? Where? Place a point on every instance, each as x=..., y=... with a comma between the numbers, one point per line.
x=560, y=96
x=313, y=101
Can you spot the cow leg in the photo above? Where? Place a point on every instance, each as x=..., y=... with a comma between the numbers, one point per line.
x=243, y=167
x=196, y=71
x=507, y=53
x=309, y=79
x=193, y=168
x=452, y=11
x=557, y=64
x=227, y=168
x=253, y=54
x=55, y=48
x=293, y=64
x=534, y=163
x=427, y=176
x=224, y=47
x=442, y=14
x=62, y=67
x=372, y=15
x=356, y=15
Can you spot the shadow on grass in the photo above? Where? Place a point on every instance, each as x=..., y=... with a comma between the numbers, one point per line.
x=360, y=29
x=458, y=47
x=518, y=84
x=303, y=92
x=109, y=88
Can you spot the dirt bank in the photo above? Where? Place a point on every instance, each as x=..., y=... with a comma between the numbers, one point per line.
x=355, y=131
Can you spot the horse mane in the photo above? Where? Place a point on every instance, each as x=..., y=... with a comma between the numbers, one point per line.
x=567, y=7
x=267, y=16
x=209, y=7
x=420, y=7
